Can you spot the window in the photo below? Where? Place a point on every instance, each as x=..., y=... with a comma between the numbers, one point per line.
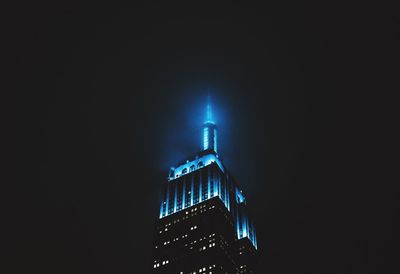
x=200, y=164
x=184, y=171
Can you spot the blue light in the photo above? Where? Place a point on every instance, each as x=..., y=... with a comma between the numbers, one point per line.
x=254, y=240
x=239, y=196
x=205, y=159
x=175, y=197
x=215, y=140
x=238, y=226
x=161, y=208
x=215, y=186
x=183, y=195
x=209, y=118
x=205, y=138
x=244, y=227
x=219, y=184
x=227, y=203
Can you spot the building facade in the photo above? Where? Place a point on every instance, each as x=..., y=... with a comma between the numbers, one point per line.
x=204, y=224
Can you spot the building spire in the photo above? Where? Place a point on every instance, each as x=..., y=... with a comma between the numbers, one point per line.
x=209, y=129
x=209, y=117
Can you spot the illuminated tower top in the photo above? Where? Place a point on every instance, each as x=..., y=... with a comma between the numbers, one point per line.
x=201, y=178
x=209, y=130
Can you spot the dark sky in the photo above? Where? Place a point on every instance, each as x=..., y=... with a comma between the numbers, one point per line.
x=109, y=96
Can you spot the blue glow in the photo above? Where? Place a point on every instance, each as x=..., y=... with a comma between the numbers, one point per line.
x=215, y=140
x=215, y=186
x=211, y=184
x=205, y=159
x=209, y=117
x=175, y=197
x=244, y=227
x=254, y=240
x=205, y=138
x=239, y=196
x=238, y=226
x=228, y=205
x=161, y=208
x=216, y=181
x=167, y=202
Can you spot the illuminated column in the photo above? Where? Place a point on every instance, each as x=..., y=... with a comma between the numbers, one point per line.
x=175, y=196
x=210, y=136
x=161, y=208
x=254, y=235
x=200, y=188
x=209, y=131
x=215, y=139
x=238, y=225
x=167, y=202
x=215, y=184
x=255, y=238
x=244, y=226
x=228, y=198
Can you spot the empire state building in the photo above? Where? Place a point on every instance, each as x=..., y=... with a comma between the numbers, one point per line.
x=204, y=225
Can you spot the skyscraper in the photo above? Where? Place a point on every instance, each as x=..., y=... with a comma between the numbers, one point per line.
x=204, y=224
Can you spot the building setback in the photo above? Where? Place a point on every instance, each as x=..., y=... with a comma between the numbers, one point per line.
x=204, y=224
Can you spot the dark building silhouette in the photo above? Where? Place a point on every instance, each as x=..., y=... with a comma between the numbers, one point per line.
x=204, y=225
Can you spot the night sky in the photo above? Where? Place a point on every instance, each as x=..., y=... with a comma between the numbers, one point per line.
x=109, y=96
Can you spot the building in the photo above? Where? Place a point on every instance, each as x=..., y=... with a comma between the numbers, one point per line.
x=204, y=224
